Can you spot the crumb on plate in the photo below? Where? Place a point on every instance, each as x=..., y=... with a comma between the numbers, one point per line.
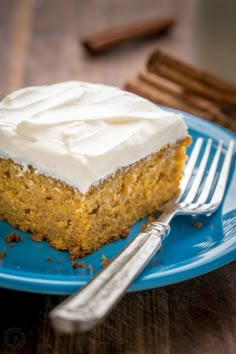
x=13, y=237
x=197, y=224
x=105, y=261
x=82, y=264
x=75, y=265
x=2, y=255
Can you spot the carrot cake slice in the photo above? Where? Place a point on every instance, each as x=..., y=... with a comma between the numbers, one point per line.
x=81, y=162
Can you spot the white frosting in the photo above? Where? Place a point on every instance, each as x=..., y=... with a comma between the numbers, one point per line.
x=80, y=132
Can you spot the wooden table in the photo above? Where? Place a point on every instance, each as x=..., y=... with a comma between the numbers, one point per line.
x=39, y=43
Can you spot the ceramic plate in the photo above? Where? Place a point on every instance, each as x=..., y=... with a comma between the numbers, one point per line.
x=187, y=252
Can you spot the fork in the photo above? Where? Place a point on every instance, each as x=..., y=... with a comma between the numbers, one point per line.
x=201, y=192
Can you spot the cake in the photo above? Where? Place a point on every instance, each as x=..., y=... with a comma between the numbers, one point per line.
x=81, y=162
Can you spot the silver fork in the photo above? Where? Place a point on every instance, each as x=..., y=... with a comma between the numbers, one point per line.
x=201, y=192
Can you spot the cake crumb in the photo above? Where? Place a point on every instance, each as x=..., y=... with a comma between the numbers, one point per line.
x=82, y=264
x=197, y=224
x=124, y=233
x=105, y=261
x=36, y=237
x=75, y=265
x=49, y=259
x=11, y=245
x=13, y=237
x=90, y=268
x=2, y=255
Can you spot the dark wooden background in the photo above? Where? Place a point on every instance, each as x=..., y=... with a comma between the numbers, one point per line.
x=39, y=44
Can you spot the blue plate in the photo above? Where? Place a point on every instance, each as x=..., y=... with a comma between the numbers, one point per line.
x=187, y=252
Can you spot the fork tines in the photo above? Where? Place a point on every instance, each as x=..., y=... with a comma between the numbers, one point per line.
x=206, y=174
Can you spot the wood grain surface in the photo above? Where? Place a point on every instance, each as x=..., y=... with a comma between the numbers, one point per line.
x=40, y=44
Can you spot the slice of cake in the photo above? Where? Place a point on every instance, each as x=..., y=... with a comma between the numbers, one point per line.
x=81, y=162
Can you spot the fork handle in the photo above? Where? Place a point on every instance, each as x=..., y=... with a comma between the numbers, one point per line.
x=90, y=305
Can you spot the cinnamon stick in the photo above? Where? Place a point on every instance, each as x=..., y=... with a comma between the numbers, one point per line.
x=189, y=84
x=155, y=95
x=159, y=57
x=175, y=90
x=160, y=96
x=161, y=83
x=102, y=41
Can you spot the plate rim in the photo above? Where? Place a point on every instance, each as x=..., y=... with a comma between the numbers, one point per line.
x=30, y=282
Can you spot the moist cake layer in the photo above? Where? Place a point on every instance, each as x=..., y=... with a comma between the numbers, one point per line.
x=81, y=133
x=72, y=221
